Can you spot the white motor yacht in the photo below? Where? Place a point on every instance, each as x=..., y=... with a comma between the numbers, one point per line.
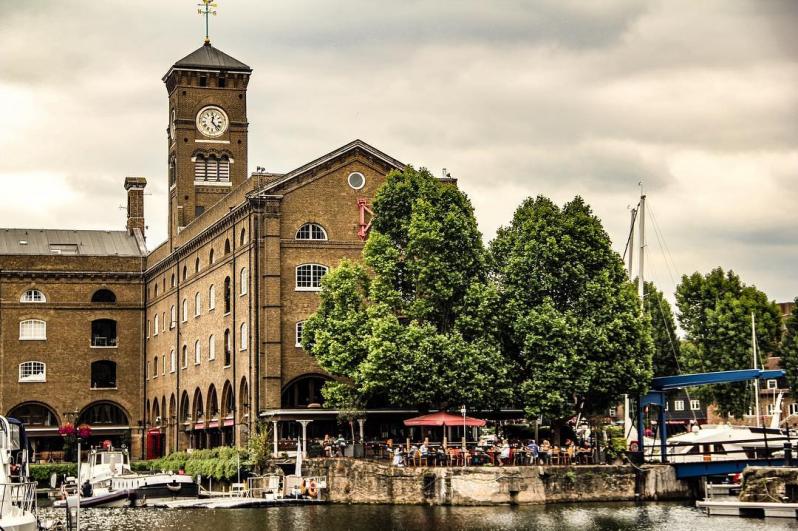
x=106, y=480
x=17, y=491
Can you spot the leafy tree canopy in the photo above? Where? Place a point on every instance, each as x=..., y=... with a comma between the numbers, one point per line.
x=715, y=312
x=663, y=331
x=789, y=348
x=417, y=324
x=572, y=328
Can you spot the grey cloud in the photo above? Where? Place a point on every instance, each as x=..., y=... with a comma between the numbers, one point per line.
x=515, y=97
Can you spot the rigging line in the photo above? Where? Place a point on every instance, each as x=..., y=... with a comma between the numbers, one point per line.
x=631, y=232
x=671, y=333
x=669, y=256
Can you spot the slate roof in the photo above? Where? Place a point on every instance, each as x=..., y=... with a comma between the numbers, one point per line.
x=68, y=242
x=209, y=58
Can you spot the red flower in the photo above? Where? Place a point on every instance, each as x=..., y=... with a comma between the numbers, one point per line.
x=84, y=431
x=66, y=429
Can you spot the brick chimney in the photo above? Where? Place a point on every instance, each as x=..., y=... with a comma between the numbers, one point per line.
x=135, y=204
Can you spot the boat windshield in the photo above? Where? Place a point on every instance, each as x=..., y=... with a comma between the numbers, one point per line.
x=110, y=458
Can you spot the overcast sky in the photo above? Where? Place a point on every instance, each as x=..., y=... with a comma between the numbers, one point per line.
x=515, y=98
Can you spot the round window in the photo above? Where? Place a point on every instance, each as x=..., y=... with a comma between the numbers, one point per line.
x=356, y=180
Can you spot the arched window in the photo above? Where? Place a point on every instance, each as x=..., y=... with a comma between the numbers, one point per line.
x=155, y=366
x=227, y=295
x=210, y=257
x=32, y=371
x=172, y=361
x=197, y=265
x=32, y=329
x=210, y=168
x=155, y=325
x=33, y=414
x=147, y=371
x=227, y=246
x=244, y=337
x=172, y=281
x=184, y=312
x=244, y=281
x=185, y=357
x=163, y=365
x=228, y=348
x=155, y=289
x=197, y=353
x=103, y=413
x=199, y=407
x=172, y=316
x=197, y=304
x=199, y=168
x=243, y=236
x=308, y=277
x=185, y=272
x=311, y=231
x=228, y=401
x=103, y=295
x=103, y=333
x=298, y=332
x=224, y=169
x=184, y=408
x=103, y=374
x=302, y=392
x=213, y=403
x=211, y=348
x=33, y=295
x=211, y=297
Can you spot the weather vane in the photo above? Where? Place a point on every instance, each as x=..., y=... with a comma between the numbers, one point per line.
x=207, y=8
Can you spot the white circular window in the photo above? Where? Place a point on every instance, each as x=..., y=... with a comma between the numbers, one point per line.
x=356, y=180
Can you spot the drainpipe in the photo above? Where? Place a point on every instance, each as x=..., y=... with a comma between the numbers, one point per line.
x=234, y=295
x=178, y=351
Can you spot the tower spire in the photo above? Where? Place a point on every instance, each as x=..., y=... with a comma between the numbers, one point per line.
x=207, y=8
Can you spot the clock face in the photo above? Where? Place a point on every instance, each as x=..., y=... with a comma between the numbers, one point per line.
x=212, y=121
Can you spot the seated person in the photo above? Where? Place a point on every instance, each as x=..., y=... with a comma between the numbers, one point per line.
x=398, y=458
x=534, y=451
x=545, y=452
x=504, y=455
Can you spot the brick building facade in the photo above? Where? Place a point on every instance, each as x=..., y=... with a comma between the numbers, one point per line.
x=206, y=324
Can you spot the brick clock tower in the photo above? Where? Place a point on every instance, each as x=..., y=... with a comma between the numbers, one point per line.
x=207, y=133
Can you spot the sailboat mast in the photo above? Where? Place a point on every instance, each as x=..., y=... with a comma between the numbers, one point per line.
x=640, y=261
x=632, y=243
x=756, y=380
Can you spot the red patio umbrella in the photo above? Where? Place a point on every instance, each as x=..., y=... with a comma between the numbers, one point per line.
x=442, y=418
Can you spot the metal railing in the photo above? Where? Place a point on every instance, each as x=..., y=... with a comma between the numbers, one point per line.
x=18, y=495
x=100, y=341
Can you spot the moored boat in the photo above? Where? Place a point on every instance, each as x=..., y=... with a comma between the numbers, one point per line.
x=106, y=480
x=17, y=491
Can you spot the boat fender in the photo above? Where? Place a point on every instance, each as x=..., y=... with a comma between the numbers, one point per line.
x=313, y=489
x=304, y=488
x=174, y=486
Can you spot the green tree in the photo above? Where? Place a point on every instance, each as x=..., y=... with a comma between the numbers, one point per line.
x=572, y=328
x=417, y=323
x=663, y=331
x=715, y=312
x=789, y=348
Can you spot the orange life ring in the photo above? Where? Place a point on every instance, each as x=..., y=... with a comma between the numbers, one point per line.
x=313, y=489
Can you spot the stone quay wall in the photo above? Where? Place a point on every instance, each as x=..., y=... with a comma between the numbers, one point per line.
x=358, y=481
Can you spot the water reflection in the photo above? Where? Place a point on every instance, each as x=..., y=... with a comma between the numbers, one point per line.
x=603, y=517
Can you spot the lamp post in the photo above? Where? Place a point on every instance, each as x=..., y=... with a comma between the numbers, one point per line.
x=463, y=411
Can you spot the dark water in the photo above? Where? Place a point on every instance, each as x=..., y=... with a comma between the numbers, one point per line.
x=615, y=517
